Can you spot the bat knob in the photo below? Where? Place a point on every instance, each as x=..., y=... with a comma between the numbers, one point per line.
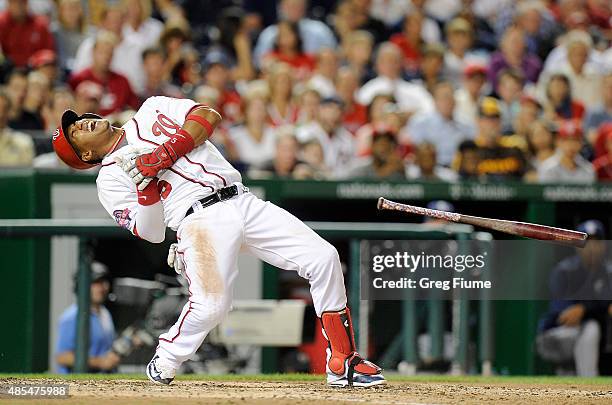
x=379, y=205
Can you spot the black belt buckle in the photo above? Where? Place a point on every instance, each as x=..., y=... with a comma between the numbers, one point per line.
x=226, y=193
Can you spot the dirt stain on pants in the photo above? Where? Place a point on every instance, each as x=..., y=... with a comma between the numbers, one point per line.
x=204, y=260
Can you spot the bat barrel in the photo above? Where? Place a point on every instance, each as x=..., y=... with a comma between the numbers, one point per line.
x=524, y=229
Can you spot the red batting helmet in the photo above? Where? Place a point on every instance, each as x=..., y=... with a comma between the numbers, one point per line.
x=63, y=147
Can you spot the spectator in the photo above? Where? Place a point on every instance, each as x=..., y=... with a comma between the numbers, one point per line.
x=411, y=98
x=385, y=161
x=117, y=91
x=558, y=56
x=281, y=110
x=316, y=35
x=288, y=49
x=60, y=100
x=45, y=62
x=431, y=70
x=432, y=12
x=513, y=54
x=410, y=41
x=102, y=330
x=139, y=28
x=600, y=138
x=155, y=82
x=467, y=161
x=175, y=43
x=254, y=140
x=16, y=148
x=88, y=95
x=69, y=31
x=391, y=12
x=16, y=89
x=459, y=55
x=285, y=155
x=309, y=100
x=375, y=117
x=598, y=115
x=236, y=30
x=484, y=36
x=325, y=73
x=353, y=15
x=535, y=20
x=584, y=77
x=217, y=76
x=439, y=127
x=603, y=164
x=336, y=141
x=541, y=144
x=131, y=41
x=570, y=333
x=560, y=104
x=509, y=90
x=314, y=159
x=528, y=113
x=425, y=166
x=468, y=95
x=567, y=166
x=36, y=95
x=22, y=34
x=495, y=160
x=357, y=52
x=347, y=84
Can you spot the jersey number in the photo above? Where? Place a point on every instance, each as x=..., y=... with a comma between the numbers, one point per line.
x=164, y=188
x=164, y=126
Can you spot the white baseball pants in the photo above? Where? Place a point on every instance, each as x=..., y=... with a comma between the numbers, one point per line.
x=209, y=241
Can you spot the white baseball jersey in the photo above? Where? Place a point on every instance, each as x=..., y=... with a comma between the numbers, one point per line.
x=192, y=177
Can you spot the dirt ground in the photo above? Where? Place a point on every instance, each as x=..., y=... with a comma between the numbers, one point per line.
x=124, y=391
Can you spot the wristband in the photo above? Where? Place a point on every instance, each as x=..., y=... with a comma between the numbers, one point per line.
x=180, y=144
x=202, y=121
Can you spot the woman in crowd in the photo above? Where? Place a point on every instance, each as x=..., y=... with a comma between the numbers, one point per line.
x=290, y=50
x=281, y=108
x=376, y=114
x=541, y=141
x=410, y=40
x=357, y=53
x=560, y=104
x=255, y=139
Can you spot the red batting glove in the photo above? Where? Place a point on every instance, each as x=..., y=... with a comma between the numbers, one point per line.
x=166, y=154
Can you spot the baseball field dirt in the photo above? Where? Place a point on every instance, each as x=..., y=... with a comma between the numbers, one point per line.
x=305, y=389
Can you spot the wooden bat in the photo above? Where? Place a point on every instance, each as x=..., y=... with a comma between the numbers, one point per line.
x=525, y=229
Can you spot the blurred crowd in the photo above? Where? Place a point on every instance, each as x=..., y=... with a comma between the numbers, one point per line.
x=385, y=89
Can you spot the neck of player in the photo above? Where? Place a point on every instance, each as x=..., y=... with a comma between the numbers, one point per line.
x=113, y=140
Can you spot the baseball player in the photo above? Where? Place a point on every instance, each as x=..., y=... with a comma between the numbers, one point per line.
x=160, y=170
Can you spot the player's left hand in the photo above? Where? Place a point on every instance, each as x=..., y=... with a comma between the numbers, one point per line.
x=174, y=259
x=150, y=164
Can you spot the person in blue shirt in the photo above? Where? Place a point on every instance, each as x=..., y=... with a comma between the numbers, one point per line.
x=102, y=330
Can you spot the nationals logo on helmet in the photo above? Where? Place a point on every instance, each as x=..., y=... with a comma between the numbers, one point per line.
x=123, y=218
x=56, y=133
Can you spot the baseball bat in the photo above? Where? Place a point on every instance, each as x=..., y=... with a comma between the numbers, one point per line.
x=525, y=229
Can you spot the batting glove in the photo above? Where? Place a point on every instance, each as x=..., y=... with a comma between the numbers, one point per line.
x=127, y=163
x=174, y=259
x=164, y=156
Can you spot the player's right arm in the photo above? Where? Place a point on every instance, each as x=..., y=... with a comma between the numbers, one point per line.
x=198, y=124
x=140, y=212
